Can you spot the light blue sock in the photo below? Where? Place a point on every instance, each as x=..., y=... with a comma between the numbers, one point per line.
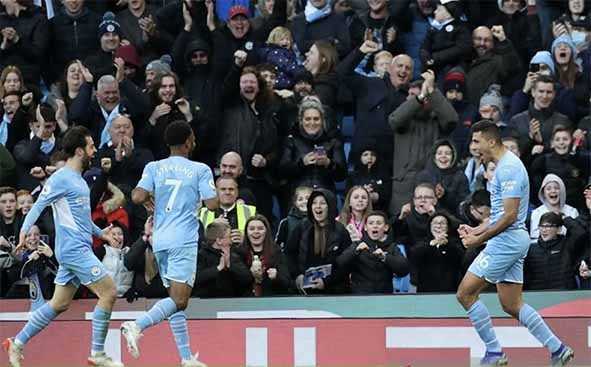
x=100, y=327
x=481, y=321
x=38, y=321
x=160, y=311
x=35, y=293
x=531, y=319
x=178, y=325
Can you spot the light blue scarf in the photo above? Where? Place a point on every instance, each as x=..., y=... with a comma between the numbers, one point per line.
x=313, y=14
x=109, y=117
x=47, y=145
x=4, y=129
x=439, y=26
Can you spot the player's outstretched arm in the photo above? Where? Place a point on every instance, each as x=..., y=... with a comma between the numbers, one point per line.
x=212, y=204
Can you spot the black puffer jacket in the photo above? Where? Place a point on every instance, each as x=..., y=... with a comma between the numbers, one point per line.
x=369, y=274
x=72, y=38
x=300, y=246
x=29, y=53
x=447, y=47
x=292, y=165
x=453, y=180
x=552, y=264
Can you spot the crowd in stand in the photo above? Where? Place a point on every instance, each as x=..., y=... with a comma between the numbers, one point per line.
x=338, y=131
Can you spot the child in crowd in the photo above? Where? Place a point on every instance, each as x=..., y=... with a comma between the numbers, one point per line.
x=370, y=173
x=294, y=217
x=438, y=258
x=373, y=260
x=355, y=208
x=24, y=201
x=279, y=53
x=113, y=259
x=552, y=195
x=451, y=185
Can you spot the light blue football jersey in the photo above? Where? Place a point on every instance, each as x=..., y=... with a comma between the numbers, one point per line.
x=178, y=185
x=69, y=197
x=509, y=181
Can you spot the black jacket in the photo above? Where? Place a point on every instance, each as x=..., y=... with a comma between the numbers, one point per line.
x=72, y=38
x=292, y=166
x=232, y=282
x=439, y=268
x=370, y=274
x=447, y=47
x=135, y=260
x=287, y=226
x=300, y=246
x=552, y=264
x=332, y=28
x=28, y=54
x=28, y=154
x=126, y=173
x=270, y=287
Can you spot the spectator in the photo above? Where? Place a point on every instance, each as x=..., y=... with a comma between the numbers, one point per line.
x=25, y=38
x=297, y=213
x=492, y=63
x=574, y=23
x=318, y=241
x=231, y=166
x=543, y=64
x=535, y=125
x=264, y=258
x=550, y=261
x=112, y=258
x=320, y=22
x=373, y=259
x=67, y=88
x=11, y=80
x=138, y=26
x=512, y=145
x=311, y=156
x=425, y=117
x=523, y=29
x=264, y=8
x=140, y=260
x=249, y=129
x=354, y=212
x=491, y=108
x=375, y=99
x=127, y=159
x=238, y=34
x=132, y=65
x=155, y=69
x=14, y=124
x=443, y=172
x=421, y=12
x=101, y=62
x=454, y=88
x=279, y=53
x=221, y=270
x=168, y=105
x=475, y=209
x=99, y=115
x=110, y=207
x=474, y=169
x=35, y=151
x=369, y=172
x=232, y=211
x=438, y=257
x=570, y=75
x=321, y=60
x=552, y=195
x=73, y=36
x=572, y=165
x=583, y=262
x=10, y=219
x=24, y=202
x=448, y=40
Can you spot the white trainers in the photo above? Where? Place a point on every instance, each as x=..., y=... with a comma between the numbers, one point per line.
x=102, y=360
x=193, y=362
x=15, y=352
x=132, y=334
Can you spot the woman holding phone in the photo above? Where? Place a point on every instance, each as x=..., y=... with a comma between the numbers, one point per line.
x=313, y=156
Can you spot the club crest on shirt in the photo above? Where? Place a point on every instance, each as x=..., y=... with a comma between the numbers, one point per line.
x=46, y=190
x=95, y=271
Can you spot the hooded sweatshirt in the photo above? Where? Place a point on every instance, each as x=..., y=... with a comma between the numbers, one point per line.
x=452, y=179
x=566, y=209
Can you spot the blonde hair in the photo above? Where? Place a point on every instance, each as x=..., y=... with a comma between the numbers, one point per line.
x=277, y=34
x=346, y=212
x=383, y=53
x=7, y=70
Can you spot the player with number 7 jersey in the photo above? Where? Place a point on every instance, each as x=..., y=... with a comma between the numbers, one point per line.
x=178, y=185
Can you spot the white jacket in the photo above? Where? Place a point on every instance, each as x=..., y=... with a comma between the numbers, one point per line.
x=113, y=262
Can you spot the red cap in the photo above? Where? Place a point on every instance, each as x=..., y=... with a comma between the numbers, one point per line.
x=129, y=55
x=238, y=10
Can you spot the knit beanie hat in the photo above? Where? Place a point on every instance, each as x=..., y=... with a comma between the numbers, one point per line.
x=455, y=79
x=492, y=97
x=566, y=40
x=109, y=24
x=161, y=65
x=129, y=55
x=544, y=57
